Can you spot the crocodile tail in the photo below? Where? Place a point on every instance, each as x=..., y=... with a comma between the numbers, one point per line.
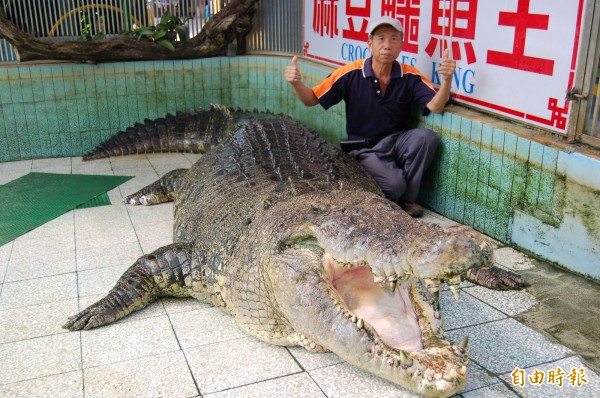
x=194, y=132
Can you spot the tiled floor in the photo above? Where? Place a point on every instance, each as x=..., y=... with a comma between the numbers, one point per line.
x=183, y=348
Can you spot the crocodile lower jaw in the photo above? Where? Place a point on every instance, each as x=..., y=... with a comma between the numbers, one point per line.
x=402, y=329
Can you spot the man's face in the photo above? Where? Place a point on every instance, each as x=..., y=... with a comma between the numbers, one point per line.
x=385, y=44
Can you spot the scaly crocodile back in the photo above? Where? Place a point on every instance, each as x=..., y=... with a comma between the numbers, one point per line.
x=252, y=161
x=195, y=132
x=267, y=159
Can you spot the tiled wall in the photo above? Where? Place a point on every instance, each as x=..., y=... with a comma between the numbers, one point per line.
x=65, y=110
x=483, y=174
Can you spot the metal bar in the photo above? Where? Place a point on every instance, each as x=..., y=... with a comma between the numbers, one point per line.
x=68, y=27
x=54, y=13
x=36, y=18
x=127, y=15
x=594, y=96
x=583, y=74
x=44, y=21
x=594, y=129
x=592, y=141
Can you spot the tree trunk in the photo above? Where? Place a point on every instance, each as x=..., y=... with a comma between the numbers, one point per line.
x=234, y=21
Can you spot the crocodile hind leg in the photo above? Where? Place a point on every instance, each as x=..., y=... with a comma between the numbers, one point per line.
x=160, y=191
x=164, y=272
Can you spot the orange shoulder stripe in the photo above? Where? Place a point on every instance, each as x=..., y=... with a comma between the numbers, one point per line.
x=326, y=84
x=414, y=71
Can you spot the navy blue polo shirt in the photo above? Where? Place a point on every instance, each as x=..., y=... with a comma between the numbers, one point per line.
x=369, y=114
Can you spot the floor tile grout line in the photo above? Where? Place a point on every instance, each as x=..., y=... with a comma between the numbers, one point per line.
x=120, y=321
x=304, y=370
x=463, y=290
x=38, y=277
x=4, y=343
x=128, y=359
x=490, y=304
x=40, y=377
x=12, y=243
x=487, y=323
x=266, y=380
x=500, y=381
x=187, y=362
x=78, y=307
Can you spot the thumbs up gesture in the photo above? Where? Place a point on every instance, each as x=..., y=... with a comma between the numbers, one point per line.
x=446, y=69
x=292, y=72
x=294, y=78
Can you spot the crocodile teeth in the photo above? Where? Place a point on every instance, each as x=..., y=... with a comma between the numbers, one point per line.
x=455, y=291
x=393, y=285
x=432, y=285
x=454, y=284
x=453, y=374
x=360, y=323
x=405, y=360
x=354, y=318
x=463, y=344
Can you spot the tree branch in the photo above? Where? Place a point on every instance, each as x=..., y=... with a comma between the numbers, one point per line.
x=234, y=21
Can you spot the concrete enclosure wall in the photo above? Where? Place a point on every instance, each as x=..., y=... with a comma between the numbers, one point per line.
x=512, y=188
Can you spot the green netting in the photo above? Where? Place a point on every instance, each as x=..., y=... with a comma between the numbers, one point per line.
x=100, y=200
x=36, y=198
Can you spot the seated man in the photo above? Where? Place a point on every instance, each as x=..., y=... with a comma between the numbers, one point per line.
x=380, y=94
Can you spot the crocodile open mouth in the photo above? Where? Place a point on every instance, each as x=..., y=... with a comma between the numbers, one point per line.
x=388, y=309
x=401, y=327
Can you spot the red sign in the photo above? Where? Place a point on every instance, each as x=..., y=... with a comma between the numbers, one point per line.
x=516, y=58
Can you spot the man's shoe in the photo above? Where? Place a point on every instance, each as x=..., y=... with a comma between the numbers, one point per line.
x=413, y=209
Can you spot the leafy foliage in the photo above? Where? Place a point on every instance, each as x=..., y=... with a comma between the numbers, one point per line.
x=87, y=28
x=164, y=33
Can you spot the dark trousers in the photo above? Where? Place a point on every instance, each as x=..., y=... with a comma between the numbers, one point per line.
x=399, y=161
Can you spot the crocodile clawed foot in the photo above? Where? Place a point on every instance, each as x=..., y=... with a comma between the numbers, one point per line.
x=137, y=199
x=160, y=191
x=89, y=318
x=496, y=278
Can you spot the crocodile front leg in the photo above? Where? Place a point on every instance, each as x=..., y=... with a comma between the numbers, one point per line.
x=164, y=272
x=160, y=191
x=496, y=278
x=488, y=275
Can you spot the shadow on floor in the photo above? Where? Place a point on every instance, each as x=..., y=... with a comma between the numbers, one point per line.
x=568, y=310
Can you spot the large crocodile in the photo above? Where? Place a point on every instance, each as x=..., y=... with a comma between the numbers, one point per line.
x=293, y=239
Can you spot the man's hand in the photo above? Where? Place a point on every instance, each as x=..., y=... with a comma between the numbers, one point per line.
x=446, y=69
x=294, y=77
x=292, y=72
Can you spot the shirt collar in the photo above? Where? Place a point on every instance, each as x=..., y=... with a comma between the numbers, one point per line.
x=368, y=69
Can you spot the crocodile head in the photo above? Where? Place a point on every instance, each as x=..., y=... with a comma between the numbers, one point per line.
x=356, y=280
